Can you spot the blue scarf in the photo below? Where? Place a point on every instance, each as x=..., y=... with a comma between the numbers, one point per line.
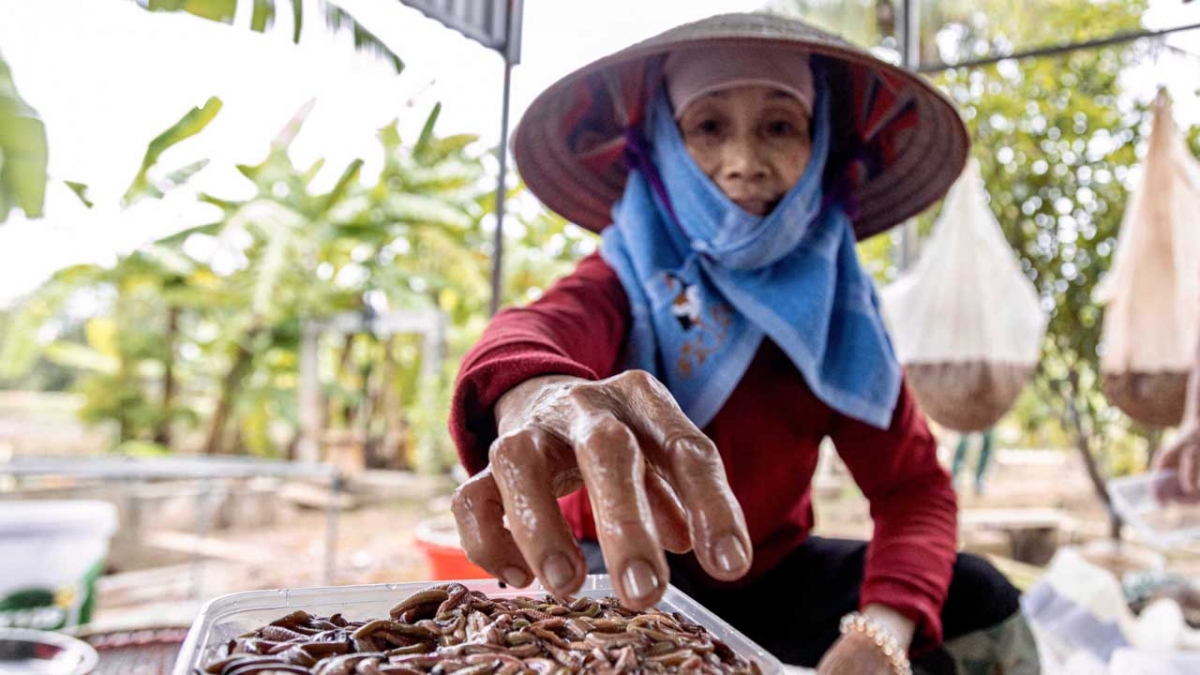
x=707, y=281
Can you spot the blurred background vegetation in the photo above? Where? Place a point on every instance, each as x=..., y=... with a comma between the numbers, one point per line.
x=191, y=344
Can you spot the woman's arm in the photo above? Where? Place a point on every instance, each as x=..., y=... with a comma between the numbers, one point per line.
x=576, y=328
x=912, y=552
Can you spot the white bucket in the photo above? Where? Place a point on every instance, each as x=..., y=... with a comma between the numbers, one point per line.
x=51, y=553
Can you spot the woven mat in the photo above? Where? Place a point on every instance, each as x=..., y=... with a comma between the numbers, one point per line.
x=137, y=652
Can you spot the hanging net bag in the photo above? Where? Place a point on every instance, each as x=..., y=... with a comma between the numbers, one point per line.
x=966, y=321
x=1152, y=293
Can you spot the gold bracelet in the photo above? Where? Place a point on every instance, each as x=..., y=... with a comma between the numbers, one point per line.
x=882, y=637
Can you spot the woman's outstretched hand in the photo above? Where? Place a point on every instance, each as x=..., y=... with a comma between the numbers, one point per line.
x=1183, y=455
x=655, y=482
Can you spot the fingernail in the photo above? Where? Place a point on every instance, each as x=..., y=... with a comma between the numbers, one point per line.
x=730, y=554
x=557, y=571
x=640, y=579
x=515, y=576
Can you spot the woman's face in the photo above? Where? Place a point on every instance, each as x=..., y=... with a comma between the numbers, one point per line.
x=752, y=141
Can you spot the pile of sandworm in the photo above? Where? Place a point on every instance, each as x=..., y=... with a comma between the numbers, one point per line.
x=448, y=629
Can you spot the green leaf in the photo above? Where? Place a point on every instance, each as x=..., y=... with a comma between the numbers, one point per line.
x=263, y=17
x=343, y=186
x=184, y=173
x=189, y=125
x=80, y=191
x=422, y=146
x=269, y=271
x=81, y=357
x=103, y=336
x=307, y=177
x=297, y=19
x=449, y=145
x=443, y=177
x=213, y=10
x=223, y=204
x=24, y=152
x=389, y=135
x=338, y=19
x=75, y=276
x=413, y=208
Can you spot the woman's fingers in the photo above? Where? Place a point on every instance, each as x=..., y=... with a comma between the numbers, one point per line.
x=655, y=482
x=613, y=470
x=479, y=511
x=1183, y=456
x=692, y=466
x=671, y=521
x=528, y=473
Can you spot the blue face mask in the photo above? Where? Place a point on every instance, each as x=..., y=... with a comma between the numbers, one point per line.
x=707, y=281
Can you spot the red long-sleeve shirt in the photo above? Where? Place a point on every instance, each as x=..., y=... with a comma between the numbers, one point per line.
x=768, y=433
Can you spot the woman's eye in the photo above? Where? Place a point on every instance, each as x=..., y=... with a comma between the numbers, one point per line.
x=707, y=127
x=781, y=128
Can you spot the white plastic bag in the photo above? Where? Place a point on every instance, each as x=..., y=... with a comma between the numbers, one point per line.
x=1080, y=615
x=1152, y=291
x=966, y=321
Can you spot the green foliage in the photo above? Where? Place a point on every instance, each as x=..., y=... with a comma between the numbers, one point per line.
x=209, y=347
x=23, y=152
x=1054, y=147
x=192, y=123
x=262, y=19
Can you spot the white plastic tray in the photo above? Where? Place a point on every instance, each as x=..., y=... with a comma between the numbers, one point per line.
x=1153, y=504
x=228, y=616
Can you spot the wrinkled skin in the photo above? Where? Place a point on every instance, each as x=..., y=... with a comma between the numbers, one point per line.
x=655, y=481
x=753, y=142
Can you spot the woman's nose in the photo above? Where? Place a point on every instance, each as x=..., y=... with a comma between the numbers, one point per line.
x=743, y=160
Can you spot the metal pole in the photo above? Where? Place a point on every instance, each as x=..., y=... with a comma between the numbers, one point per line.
x=332, y=510
x=201, y=532
x=501, y=193
x=309, y=447
x=907, y=237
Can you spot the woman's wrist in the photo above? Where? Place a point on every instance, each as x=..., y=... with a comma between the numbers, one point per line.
x=512, y=404
x=890, y=635
x=900, y=626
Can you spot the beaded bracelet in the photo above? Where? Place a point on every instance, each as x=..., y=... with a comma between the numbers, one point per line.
x=882, y=637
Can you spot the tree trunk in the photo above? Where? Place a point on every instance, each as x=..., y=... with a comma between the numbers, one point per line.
x=343, y=362
x=1153, y=444
x=1069, y=389
x=389, y=410
x=230, y=384
x=162, y=435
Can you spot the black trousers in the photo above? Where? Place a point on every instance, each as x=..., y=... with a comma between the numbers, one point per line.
x=794, y=610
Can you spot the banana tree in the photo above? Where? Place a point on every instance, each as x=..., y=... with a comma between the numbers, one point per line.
x=145, y=293
x=310, y=254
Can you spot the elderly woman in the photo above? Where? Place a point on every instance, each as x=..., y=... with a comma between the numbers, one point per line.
x=658, y=413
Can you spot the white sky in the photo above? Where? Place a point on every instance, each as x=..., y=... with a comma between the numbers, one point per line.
x=107, y=76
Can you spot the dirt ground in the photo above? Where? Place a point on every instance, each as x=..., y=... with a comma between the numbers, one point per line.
x=375, y=537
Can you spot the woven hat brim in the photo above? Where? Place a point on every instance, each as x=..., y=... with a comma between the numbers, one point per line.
x=920, y=149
